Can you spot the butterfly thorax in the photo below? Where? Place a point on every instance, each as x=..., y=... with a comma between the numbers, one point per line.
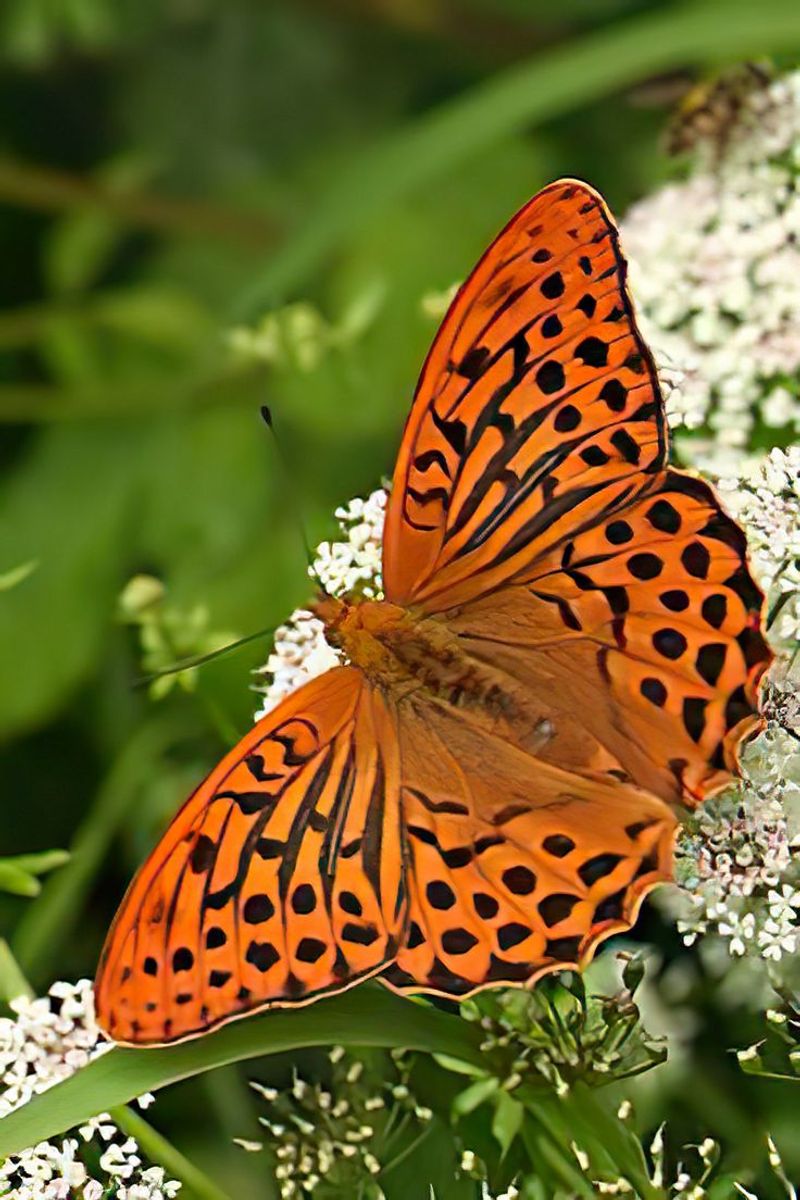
x=401, y=651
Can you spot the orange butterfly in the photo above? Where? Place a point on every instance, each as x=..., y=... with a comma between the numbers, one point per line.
x=569, y=648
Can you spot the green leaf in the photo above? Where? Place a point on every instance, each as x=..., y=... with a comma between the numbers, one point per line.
x=16, y=881
x=38, y=864
x=557, y=81
x=12, y=982
x=723, y=1188
x=80, y=247
x=11, y=579
x=478, y=1092
x=604, y=1137
x=64, y=505
x=367, y=1016
x=25, y=31
x=46, y=922
x=156, y=313
x=552, y=1160
x=507, y=1121
x=427, y=1167
x=459, y=1067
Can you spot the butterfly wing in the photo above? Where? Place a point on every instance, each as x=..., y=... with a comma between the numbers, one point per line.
x=278, y=881
x=537, y=409
x=643, y=635
x=532, y=508
x=516, y=866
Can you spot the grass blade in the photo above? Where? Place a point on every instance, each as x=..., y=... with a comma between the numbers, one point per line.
x=45, y=923
x=367, y=1016
x=159, y=1150
x=545, y=86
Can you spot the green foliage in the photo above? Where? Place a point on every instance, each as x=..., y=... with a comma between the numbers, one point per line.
x=211, y=206
x=777, y=1054
x=19, y=873
x=167, y=635
x=369, y=1016
x=557, y=1034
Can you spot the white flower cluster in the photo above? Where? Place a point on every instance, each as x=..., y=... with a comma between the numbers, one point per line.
x=49, y=1039
x=715, y=272
x=340, y=1135
x=736, y=856
x=765, y=498
x=352, y=564
x=734, y=860
x=48, y=1172
x=299, y=653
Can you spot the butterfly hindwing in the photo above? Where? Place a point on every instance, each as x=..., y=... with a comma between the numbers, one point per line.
x=537, y=409
x=516, y=867
x=278, y=881
x=641, y=636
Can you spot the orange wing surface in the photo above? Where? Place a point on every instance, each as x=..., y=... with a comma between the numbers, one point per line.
x=517, y=867
x=532, y=511
x=277, y=882
x=537, y=411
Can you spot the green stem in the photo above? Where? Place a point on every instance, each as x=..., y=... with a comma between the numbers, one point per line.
x=12, y=981
x=48, y=189
x=366, y=1016
x=162, y=1152
x=553, y=82
x=542, y=1148
x=403, y=1154
x=206, y=386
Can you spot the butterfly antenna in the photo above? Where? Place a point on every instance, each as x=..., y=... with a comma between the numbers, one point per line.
x=291, y=485
x=197, y=660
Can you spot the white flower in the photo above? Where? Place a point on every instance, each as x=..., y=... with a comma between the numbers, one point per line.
x=49, y=1039
x=715, y=272
x=300, y=651
x=764, y=496
x=355, y=563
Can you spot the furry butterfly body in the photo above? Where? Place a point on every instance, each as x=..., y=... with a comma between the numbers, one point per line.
x=569, y=650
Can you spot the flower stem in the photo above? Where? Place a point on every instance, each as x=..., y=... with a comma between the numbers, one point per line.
x=162, y=1152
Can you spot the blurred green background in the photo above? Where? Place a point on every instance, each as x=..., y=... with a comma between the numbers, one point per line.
x=174, y=173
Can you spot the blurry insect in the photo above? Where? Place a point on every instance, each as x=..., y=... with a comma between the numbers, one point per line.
x=711, y=109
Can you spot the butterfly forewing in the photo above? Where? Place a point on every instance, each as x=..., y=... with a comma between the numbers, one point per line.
x=532, y=508
x=537, y=409
x=278, y=881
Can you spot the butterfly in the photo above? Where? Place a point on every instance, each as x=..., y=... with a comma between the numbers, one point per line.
x=569, y=650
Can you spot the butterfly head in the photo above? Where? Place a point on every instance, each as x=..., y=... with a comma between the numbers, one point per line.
x=362, y=629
